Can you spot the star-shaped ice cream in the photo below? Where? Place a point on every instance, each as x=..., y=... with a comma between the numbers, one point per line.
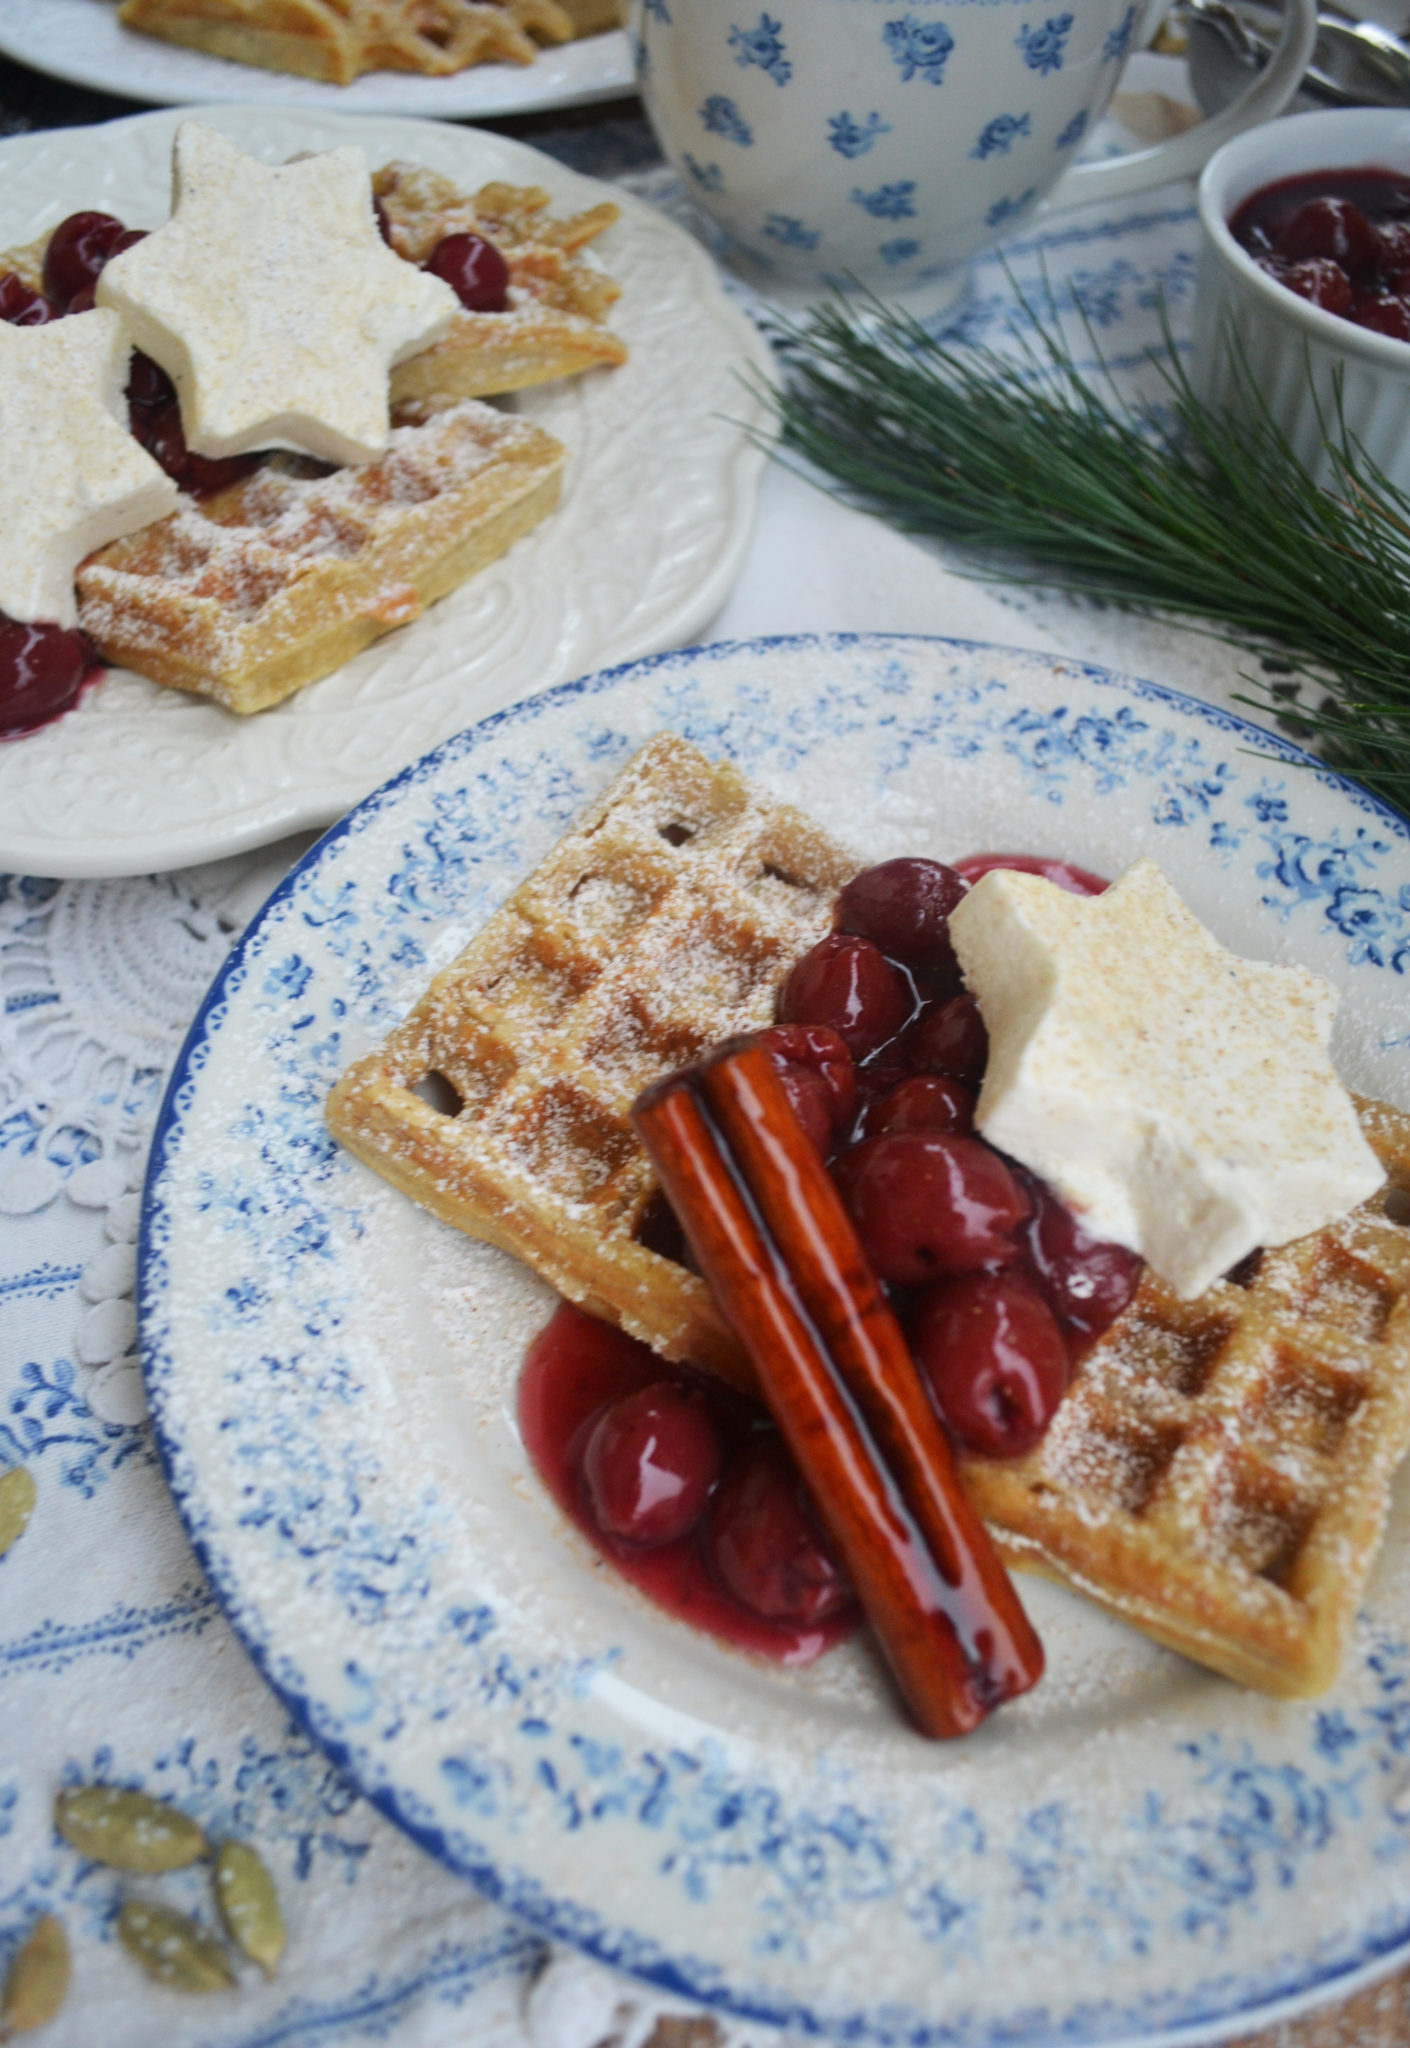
x=72, y=478
x=1180, y=1099
x=272, y=302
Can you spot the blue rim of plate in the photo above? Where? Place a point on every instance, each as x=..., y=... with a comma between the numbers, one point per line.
x=519, y=1892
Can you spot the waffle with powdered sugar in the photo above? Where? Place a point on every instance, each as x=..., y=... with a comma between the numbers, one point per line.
x=338, y=40
x=665, y=920
x=246, y=594
x=1219, y=1472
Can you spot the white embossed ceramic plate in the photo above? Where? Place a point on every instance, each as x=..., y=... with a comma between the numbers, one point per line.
x=1136, y=1851
x=657, y=508
x=84, y=42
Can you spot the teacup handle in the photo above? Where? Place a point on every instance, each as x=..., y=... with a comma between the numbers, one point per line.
x=1182, y=156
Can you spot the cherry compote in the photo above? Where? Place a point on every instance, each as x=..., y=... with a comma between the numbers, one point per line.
x=688, y=1487
x=1339, y=239
x=43, y=668
x=685, y=1486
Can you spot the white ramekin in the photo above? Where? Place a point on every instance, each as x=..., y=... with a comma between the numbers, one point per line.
x=1297, y=353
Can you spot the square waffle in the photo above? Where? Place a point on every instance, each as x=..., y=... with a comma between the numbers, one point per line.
x=250, y=593
x=1217, y=1475
x=663, y=921
x=337, y=40
x=559, y=296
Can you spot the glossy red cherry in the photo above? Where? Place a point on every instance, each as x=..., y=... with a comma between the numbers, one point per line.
x=148, y=386
x=650, y=1463
x=817, y=1071
x=20, y=305
x=1382, y=313
x=474, y=270
x=1318, y=280
x=160, y=432
x=42, y=670
x=924, y=1102
x=1087, y=1280
x=928, y=1205
x=950, y=1039
x=1077, y=881
x=903, y=906
x=847, y=985
x=1330, y=227
x=993, y=1357
x=1393, y=244
x=765, y=1544
x=77, y=251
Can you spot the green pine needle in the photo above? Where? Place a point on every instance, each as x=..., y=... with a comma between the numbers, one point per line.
x=1023, y=462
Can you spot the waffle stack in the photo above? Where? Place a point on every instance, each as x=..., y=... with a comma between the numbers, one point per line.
x=663, y=921
x=246, y=595
x=338, y=40
x=1218, y=1474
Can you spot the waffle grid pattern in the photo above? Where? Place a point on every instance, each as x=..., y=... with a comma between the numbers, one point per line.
x=1219, y=1473
x=663, y=922
x=248, y=595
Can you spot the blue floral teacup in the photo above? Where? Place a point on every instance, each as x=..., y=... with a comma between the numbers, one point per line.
x=879, y=143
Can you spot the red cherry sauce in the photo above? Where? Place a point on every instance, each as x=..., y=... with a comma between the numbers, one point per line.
x=1339, y=239
x=576, y=1369
x=44, y=670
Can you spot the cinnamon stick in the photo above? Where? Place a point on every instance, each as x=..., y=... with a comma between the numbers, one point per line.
x=773, y=1241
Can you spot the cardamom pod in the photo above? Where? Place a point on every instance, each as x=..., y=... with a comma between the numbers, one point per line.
x=16, y=1503
x=172, y=1948
x=249, y=1905
x=130, y=1830
x=37, y=1979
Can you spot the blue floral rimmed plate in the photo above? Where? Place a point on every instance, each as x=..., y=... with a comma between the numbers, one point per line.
x=1136, y=1852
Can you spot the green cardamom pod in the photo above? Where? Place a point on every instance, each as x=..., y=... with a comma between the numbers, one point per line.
x=16, y=1503
x=249, y=1905
x=37, y=1979
x=130, y=1830
x=172, y=1948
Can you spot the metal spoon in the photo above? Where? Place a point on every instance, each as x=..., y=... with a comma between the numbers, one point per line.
x=1355, y=63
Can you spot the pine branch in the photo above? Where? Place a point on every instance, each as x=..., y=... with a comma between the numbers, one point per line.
x=1036, y=474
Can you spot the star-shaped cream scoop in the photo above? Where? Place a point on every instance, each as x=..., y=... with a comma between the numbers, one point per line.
x=1180, y=1099
x=72, y=478
x=272, y=302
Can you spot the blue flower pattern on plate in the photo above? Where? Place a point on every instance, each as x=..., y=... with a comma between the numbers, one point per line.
x=1044, y=48
x=900, y=251
x=888, y=202
x=762, y=46
x=1074, y=131
x=1250, y=1815
x=722, y=117
x=920, y=48
x=790, y=232
x=854, y=138
x=659, y=10
x=997, y=137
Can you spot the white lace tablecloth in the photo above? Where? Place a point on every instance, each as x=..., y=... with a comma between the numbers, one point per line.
x=115, y=1662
